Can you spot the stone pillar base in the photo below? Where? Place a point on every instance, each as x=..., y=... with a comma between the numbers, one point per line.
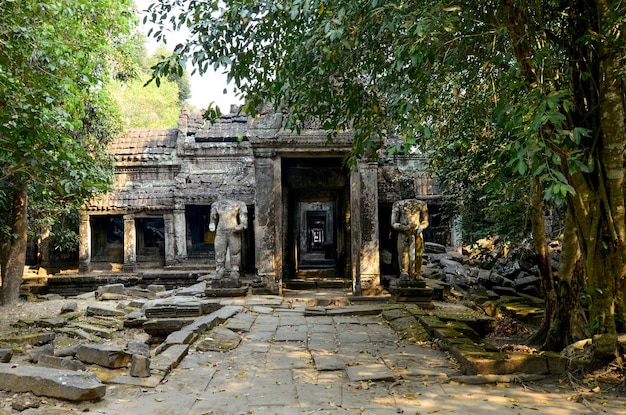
x=370, y=286
x=266, y=284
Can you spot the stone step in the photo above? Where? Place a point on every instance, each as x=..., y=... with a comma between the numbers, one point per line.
x=312, y=283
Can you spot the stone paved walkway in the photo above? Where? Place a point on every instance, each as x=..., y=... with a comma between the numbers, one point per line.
x=290, y=363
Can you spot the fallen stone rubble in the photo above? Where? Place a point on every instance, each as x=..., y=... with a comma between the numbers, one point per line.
x=73, y=354
x=65, y=374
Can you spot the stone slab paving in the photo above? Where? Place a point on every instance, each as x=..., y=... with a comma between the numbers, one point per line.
x=329, y=364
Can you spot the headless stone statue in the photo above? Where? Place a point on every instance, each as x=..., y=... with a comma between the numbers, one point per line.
x=409, y=217
x=228, y=219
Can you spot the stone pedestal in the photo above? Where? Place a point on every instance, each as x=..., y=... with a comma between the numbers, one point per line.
x=225, y=287
x=411, y=291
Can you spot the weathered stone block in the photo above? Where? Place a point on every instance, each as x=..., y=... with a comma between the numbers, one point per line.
x=140, y=366
x=110, y=289
x=37, y=352
x=6, y=355
x=502, y=363
x=465, y=330
x=164, y=326
x=524, y=282
x=35, y=339
x=61, y=363
x=394, y=313
x=604, y=347
x=430, y=323
x=138, y=348
x=69, y=307
x=103, y=355
x=501, y=290
x=54, y=383
x=557, y=364
x=103, y=332
x=170, y=358
x=184, y=336
x=51, y=322
x=94, y=310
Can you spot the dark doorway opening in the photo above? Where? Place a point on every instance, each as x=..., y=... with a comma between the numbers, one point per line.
x=107, y=238
x=315, y=216
x=150, y=240
x=199, y=238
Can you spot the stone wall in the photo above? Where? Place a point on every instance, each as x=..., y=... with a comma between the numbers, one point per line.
x=166, y=180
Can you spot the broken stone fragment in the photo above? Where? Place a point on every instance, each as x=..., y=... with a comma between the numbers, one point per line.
x=113, y=297
x=138, y=348
x=70, y=351
x=69, y=307
x=116, y=289
x=61, y=363
x=54, y=383
x=103, y=355
x=140, y=292
x=6, y=355
x=51, y=322
x=156, y=288
x=94, y=310
x=25, y=401
x=140, y=366
x=37, y=352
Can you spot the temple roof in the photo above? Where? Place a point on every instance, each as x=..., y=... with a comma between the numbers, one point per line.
x=144, y=145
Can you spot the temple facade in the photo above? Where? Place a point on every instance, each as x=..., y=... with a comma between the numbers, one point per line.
x=310, y=216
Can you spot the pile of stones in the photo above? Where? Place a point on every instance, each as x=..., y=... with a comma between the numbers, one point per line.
x=468, y=275
x=59, y=356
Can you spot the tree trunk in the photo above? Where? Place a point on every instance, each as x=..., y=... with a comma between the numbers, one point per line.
x=612, y=115
x=543, y=261
x=568, y=321
x=13, y=250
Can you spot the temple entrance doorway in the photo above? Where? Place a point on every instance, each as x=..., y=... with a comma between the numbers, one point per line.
x=316, y=208
x=315, y=225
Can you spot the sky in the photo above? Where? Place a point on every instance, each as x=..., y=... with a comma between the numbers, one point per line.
x=204, y=89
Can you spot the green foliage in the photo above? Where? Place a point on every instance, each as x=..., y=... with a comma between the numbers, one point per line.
x=55, y=118
x=149, y=106
x=146, y=105
x=399, y=67
x=499, y=93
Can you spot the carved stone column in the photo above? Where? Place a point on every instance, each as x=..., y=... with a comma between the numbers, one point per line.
x=170, y=244
x=84, y=243
x=267, y=221
x=130, y=243
x=365, y=235
x=180, y=235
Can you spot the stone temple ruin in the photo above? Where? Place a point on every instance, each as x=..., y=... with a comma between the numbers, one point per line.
x=311, y=219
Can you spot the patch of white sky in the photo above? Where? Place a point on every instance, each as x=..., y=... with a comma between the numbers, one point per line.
x=205, y=89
